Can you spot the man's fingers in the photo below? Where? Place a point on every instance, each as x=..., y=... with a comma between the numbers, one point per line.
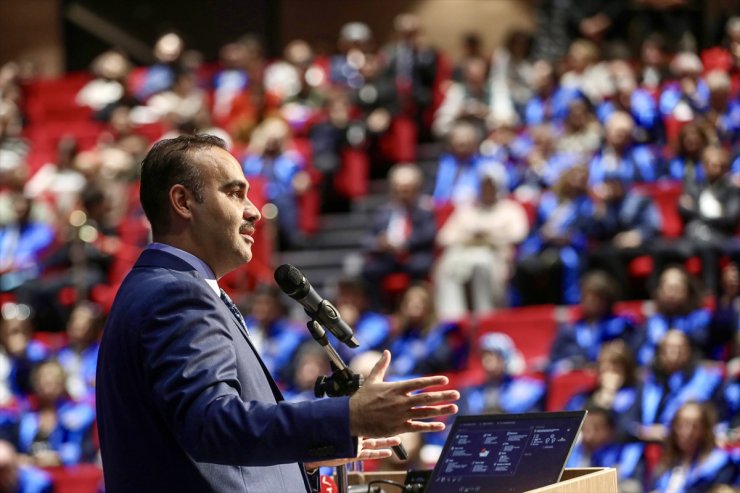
x=429, y=398
x=423, y=426
x=377, y=374
x=433, y=411
x=375, y=454
x=420, y=383
x=380, y=443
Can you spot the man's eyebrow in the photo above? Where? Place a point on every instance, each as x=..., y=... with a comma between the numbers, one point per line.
x=234, y=184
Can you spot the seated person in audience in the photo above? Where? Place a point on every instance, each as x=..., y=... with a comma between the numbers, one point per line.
x=458, y=176
x=653, y=68
x=414, y=65
x=168, y=51
x=371, y=328
x=691, y=461
x=402, y=235
x=13, y=147
x=511, y=75
x=478, y=242
x=616, y=387
x=581, y=132
x=420, y=343
x=59, y=182
x=586, y=72
x=724, y=112
x=111, y=69
x=23, y=242
x=677, y=306
x=57, y=431
x=674, y=378
x=638, y=102
x=303, y=104
x=686, y=97
x=540, y=166
x=310, y=363
x=83, y=260
x=16, y=477
x=465, y=100
x=355, y=39
x=79, y=357
x=504, y=389
x=18, y=352
x=273, y=334
x=619, y=155
x=283, y=170
x=578, y=344
x=550, y=101
x=598, y=446
x=728, y=406
x=376, y=102
x=549, y=262
x=724, y=329
x=686, y=165
x=230, y=80
x=625, y=225
x=710, y=211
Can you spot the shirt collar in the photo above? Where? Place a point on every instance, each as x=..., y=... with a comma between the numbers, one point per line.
x=200, y=266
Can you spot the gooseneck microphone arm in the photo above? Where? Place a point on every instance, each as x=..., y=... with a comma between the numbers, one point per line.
x=343, y=380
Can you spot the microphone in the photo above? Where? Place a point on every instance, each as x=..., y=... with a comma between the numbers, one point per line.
x=294, y=284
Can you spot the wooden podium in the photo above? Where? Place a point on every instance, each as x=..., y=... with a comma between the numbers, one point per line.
x=580, y=480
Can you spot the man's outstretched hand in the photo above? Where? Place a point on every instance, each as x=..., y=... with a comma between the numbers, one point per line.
x=382, y=409
x=369, y=449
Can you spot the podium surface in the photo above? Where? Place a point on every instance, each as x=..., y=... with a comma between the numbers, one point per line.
x=576, y=480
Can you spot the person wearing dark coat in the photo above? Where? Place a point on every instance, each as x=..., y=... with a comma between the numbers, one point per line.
x=623, y=227
x=402, y=236
x=710, y=210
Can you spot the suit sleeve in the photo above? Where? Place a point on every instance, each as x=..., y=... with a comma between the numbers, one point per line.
x=190, y=362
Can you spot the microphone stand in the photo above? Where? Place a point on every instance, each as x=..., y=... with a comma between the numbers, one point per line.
x=343, y=381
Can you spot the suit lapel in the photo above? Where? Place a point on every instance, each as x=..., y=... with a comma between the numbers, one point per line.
x=158, y=258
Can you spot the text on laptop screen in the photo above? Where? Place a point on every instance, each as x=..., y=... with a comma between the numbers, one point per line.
x=505, y=453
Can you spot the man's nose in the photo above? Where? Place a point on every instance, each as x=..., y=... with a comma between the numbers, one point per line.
x=251, y=213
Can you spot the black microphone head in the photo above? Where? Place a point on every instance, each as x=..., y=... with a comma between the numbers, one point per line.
x=291, y=281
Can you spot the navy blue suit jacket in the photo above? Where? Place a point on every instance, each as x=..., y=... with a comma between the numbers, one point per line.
x=185, y=403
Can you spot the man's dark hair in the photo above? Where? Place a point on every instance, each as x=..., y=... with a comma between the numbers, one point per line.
x=169, y=162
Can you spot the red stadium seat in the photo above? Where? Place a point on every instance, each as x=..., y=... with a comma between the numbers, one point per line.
x=83, y=478
x=565, y=385
x=352, y=178
x=531, y=328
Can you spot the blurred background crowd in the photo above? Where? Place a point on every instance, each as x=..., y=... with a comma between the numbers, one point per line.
x=553, y=224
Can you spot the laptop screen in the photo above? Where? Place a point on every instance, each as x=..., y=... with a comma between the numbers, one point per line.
x=505, y=453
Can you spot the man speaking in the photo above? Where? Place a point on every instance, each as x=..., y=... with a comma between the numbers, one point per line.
x=185, y=403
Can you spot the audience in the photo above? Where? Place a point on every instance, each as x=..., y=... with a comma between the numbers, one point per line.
x=564, y=121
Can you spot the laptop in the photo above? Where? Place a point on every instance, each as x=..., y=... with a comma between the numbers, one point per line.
x=505, y=453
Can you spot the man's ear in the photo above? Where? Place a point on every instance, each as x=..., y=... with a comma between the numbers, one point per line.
x=181, y=199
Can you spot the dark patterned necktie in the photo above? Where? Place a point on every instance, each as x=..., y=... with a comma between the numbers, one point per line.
x=232, y=307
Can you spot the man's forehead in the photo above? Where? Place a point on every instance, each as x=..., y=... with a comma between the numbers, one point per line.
x=219, y=164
